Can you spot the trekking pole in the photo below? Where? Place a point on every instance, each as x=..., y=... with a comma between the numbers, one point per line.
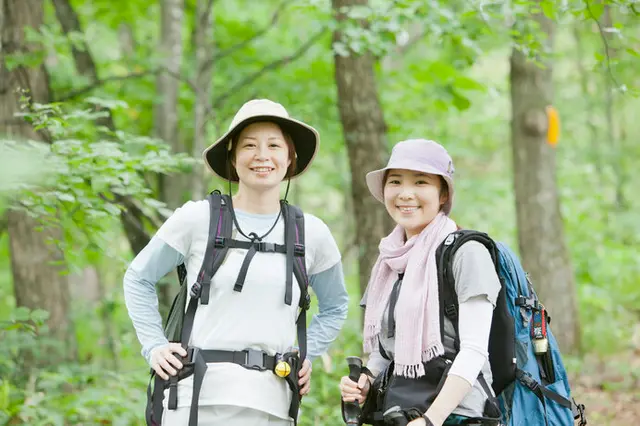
x=351, y=410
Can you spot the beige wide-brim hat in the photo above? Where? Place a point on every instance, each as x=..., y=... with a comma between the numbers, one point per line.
x=420, y=155
x=305, y=138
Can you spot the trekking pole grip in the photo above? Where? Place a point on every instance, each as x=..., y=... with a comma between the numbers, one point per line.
x=351, y=410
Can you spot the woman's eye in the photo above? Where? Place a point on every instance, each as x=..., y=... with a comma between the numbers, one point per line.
x=422, y=182
x=394, y=182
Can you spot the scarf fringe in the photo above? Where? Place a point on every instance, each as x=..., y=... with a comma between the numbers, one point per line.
x=434, y=351
x=414, y=371
x=409, y=371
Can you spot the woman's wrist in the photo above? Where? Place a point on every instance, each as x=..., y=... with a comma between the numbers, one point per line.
x=426, y=419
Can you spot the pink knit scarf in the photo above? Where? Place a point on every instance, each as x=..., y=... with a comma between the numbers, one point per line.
x=417, y=334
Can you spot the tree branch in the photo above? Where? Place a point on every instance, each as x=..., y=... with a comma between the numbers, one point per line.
x=203, y=17
x=231, y=50
x=604, y=41
x=217, y=102
x=101, y=82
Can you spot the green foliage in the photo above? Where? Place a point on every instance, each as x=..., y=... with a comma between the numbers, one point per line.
x=88, y=169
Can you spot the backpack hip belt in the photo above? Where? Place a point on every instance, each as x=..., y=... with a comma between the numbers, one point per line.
x=195, y=363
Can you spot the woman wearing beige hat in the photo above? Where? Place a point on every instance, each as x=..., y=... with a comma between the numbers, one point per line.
x=262, y=148
x=402, y=330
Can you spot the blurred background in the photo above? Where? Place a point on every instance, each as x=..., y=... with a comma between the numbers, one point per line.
x=105, y=108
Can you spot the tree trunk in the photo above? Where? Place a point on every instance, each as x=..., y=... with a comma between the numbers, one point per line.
x=540, y=228
x=614, y=153
x=588, y=99
x=131, y=217
x=165, y=116
x=204, y=68
x=36, y=265
x=364, y=131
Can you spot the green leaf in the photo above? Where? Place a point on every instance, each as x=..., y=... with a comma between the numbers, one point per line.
x=62, y=196
x=633, y=52
x=39, y=315
x=466, y=83
x=21, y=314
x=593, y=10
x=548, y=8
x=461, y=102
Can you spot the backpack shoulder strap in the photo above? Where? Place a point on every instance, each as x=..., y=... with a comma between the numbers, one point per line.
x=295, y=252
x=220, y=225
x=446, y=281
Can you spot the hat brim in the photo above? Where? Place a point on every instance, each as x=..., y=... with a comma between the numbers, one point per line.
x=376, y=185
x=305, y=140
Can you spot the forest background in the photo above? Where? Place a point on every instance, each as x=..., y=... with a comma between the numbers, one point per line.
x=105, y=109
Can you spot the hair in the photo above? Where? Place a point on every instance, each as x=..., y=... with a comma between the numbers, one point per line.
x=444, y=187
x=233, y=175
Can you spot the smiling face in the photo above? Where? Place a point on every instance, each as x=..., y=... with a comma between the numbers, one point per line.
x=262, y=155
x=413, y=199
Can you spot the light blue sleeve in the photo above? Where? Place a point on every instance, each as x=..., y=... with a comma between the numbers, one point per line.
x=333, y=303
x=149, y=266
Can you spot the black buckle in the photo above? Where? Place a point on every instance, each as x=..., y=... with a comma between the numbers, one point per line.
x=196, y=289
x=190, y=358
x=580, y=413
x=527, y=302
x=529, y=382
x=219, y=242
x=298, y=249
x=451, y=311
x=266, y=247
x=254, y=360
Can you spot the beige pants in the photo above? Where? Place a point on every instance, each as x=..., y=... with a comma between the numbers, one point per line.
x=224, y=415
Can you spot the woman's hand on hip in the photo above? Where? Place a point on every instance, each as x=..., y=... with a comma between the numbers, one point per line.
x=305, y=377
x=164, y=362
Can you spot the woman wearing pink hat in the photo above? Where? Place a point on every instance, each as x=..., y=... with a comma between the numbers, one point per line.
x=245, y=320
x=402, y=330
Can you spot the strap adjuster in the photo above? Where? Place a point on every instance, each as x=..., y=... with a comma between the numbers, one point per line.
x=298, y=249
x=266, y=247
x=196, y=289
x=219, y=242
x=451, y=311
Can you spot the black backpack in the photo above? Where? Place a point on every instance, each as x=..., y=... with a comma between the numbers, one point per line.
x=180, y=319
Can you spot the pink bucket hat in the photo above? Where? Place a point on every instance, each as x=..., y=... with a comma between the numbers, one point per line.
x=420, y=155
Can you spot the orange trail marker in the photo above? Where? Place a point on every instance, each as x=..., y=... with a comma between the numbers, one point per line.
x=553, y=126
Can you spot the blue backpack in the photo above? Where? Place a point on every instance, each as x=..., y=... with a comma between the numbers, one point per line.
x=529, y=378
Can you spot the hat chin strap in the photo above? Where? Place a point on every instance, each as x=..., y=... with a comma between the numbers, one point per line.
x=287, y=190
